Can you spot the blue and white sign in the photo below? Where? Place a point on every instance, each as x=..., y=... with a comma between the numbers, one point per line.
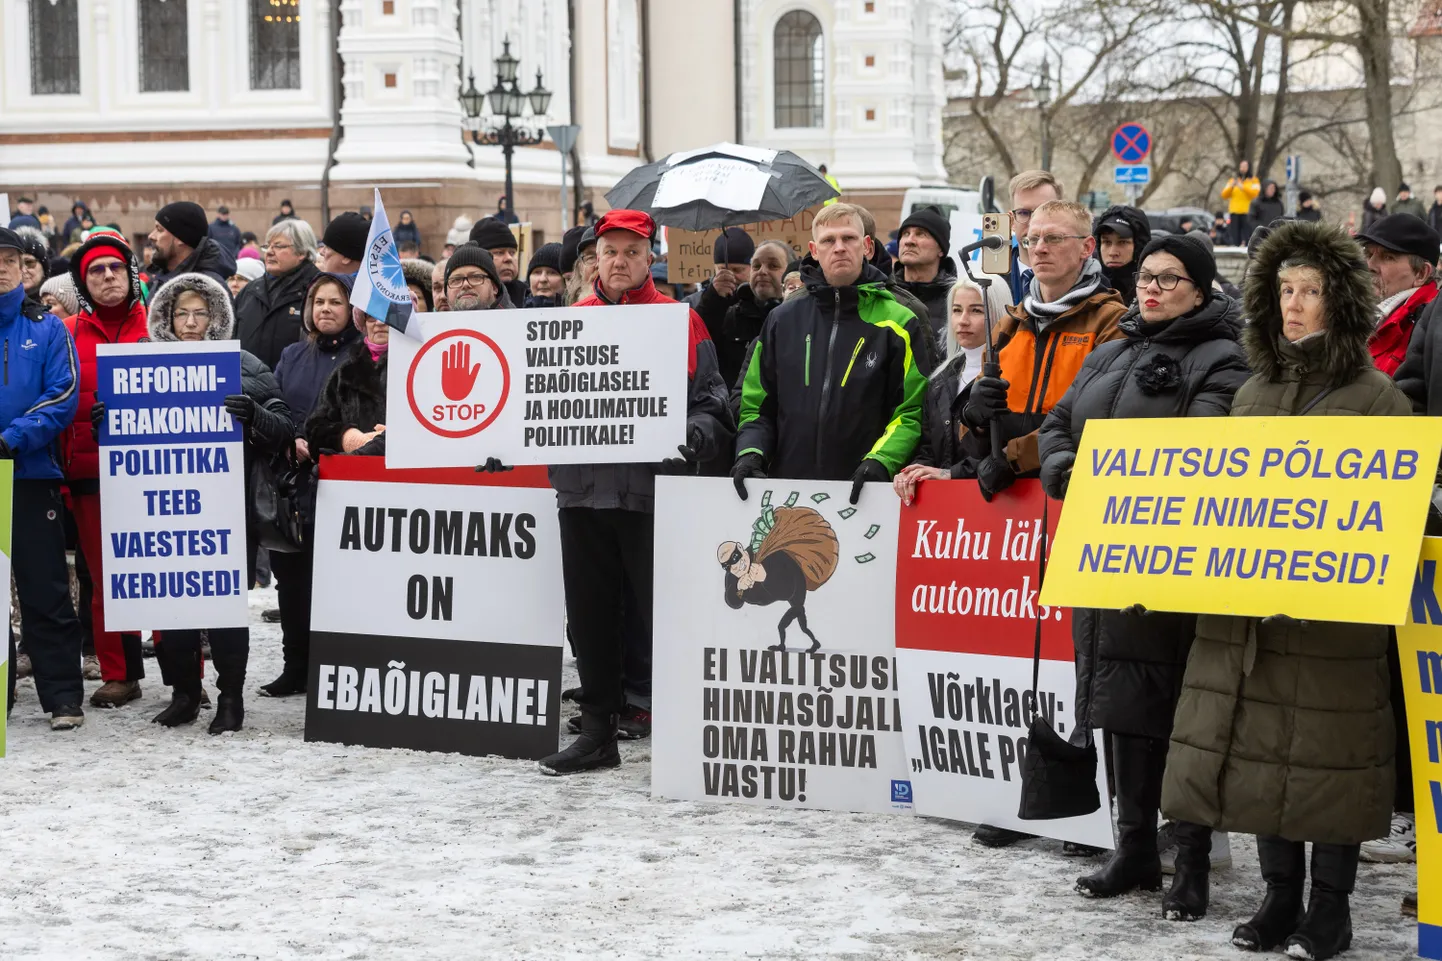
x=380, y=284
x=1294, y=168
x=1134, y=174
x=1131, y=142
x=172, y=486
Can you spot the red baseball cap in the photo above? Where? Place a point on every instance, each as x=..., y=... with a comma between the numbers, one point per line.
x=637, y=221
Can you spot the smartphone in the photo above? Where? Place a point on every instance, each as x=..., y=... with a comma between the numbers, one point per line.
x=996, y=262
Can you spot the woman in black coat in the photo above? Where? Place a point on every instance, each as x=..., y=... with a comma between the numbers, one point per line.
x=1180, y=358
x=1268, y=207
x=189, y=308
x=350, y=416
x=302, y=372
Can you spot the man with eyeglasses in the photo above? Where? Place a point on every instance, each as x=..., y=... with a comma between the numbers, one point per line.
x=1029, y=190
x=37, y=402
x=472, y=281
x=107, y=286
x=269, y=311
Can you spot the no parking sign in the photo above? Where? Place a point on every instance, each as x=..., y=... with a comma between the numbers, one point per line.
x=1131, y=142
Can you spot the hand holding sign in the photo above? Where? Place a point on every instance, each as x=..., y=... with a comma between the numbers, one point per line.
x=457, y=374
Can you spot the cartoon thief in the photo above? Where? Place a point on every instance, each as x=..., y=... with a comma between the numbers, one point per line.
x=793, y=552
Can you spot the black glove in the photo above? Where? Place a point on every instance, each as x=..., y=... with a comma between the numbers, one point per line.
x=97, y=417
x=6, y=453
x=1282, y=620
x=870, y=469
x=994, y=475
x=493, y=465
x=747, y=465
x=1136, y=609
x=690, y=453
x=985, y=403
x=241, y=407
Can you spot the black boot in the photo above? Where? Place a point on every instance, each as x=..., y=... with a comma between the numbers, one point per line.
x=180, y=668
x=287, y=685
x=1186, y=900
x=1139, y=762
x=1326, y=931
x=1284, y=868
x=594, y=748
x=229, y=653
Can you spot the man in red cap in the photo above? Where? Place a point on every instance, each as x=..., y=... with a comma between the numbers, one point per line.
x=606, y=509
x=107, y=285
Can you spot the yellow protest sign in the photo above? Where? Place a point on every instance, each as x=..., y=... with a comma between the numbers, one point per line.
x=688, y=252
x=1315, y=517
x=1419, y=647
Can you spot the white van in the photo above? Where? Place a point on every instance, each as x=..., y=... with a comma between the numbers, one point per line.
x=948, y=199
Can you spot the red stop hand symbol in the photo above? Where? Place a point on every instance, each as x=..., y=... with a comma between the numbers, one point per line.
x=457, y=374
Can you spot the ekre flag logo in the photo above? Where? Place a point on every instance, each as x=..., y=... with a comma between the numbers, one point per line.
x=458, y=383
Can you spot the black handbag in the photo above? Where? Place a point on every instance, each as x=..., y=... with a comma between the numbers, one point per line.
x=282, y=501
x=1058, y=779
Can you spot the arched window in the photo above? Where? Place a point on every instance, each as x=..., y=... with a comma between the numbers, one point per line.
x=800, y=61
x=164, y=46
x=54, y=47
x=274, y=44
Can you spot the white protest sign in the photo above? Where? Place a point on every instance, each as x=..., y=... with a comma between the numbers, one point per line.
x=721, y=182
x=594, y=385
x=739, y=720
x=172, y=486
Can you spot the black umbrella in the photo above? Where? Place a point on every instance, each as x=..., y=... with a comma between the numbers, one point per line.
x=721, y=186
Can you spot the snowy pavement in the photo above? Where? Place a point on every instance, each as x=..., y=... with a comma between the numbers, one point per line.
x=125, y=841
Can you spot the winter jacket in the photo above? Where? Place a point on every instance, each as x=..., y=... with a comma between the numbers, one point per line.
x=1434, y=217
x=225, y=233
x=1420, y=374
x=270, y=428
x=940, y=444
x=39, y=388
x=1129, y=666
x=1239, y=194
x=632, y=487
x=306, y=365
x=1040, y=364
x=515, y=292
x=1285, y=727
x=833, y=380
x=406, y=233
x=210, y=258
x=1411, y=206
x=1370, y=214
x=932, y=294
x=1309, y=214
x=353, y=396
x=81, y=452
x=268, y=311
x=733, y=323
x=1267, y=209
x=1123, y=279
x=1391, y=338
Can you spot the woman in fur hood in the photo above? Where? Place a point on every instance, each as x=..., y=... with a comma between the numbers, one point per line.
x=1284, y=728
x=193, y=307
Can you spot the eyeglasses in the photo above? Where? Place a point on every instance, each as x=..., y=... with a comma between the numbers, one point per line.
x=100, y=270
x=1021, y=213
x=200, y=315
x=277, y=247
x=1050, y=240
x=469, y=280
x=1164, y=281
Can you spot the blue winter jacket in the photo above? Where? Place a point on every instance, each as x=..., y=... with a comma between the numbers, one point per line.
x=38, y=380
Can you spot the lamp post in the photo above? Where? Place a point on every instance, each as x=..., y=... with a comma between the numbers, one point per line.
x=507, y=104
x=1041, y=92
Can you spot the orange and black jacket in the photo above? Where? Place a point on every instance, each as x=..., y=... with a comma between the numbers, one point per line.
x=1040, y=365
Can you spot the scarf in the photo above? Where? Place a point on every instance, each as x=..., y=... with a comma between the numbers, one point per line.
x=377, y=350
x=1385, y=307
x=1044, y=313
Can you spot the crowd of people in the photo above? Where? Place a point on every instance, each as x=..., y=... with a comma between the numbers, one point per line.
x=1099, y=317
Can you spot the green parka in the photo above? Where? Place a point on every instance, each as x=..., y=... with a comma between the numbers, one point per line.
x=1284, y=727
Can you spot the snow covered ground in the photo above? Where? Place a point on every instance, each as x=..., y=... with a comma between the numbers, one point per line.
x=125, y=841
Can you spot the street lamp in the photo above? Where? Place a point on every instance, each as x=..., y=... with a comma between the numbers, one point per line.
x=507, y=104
x=1041, y=92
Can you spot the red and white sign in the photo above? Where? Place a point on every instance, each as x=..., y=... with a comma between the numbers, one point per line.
x=593, y=385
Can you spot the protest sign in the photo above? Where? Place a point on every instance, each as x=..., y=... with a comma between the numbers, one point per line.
x=437, y=620
x=689, y=252
x=774, y=674
x=598, y=385
x=7, y=490
x=967, y=574
x=1419, y=648
x=172, y=486
x=1314, y=517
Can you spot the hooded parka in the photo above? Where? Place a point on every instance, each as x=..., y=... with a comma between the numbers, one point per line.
x=1129, y=666
x=1284, y=727
x=1123, y=279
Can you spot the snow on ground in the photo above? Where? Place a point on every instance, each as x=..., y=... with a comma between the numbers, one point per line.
x=126, y=841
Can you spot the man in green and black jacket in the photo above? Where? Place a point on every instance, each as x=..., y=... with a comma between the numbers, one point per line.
x=833, y=390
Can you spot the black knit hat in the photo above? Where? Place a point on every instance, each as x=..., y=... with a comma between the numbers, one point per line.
x=547, y=255
x=930, y=219
x=491, y=234
x=186, y=220
x=346, y=235
x=570, y=241
x=1201, y=266
x=733, y=246
x=471, y=255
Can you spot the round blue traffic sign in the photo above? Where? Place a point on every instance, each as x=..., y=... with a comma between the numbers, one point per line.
x=1131, y=143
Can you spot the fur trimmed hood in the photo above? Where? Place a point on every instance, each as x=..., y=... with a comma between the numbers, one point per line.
x=217, y=298
x=1350, y=303
x=418, y=272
